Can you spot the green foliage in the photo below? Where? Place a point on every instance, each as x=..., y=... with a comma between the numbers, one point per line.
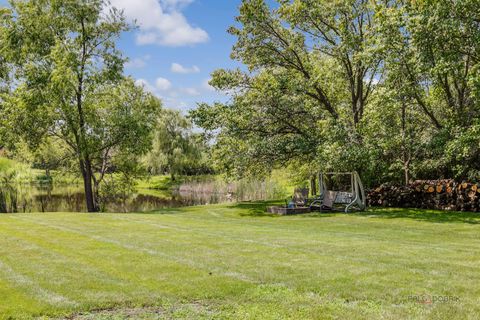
x=70, y=85
x=176, y=149
x=387, y=88
x=117, y=189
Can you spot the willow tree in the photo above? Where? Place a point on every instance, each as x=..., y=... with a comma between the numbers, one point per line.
x=174, y=148
x=70, y=83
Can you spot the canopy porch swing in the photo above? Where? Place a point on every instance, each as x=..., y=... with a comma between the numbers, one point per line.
x=342, y=191
x=338, y=191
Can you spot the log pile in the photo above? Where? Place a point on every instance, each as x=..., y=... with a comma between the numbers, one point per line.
x=428, y=194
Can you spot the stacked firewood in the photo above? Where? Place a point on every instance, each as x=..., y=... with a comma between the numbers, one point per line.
x=428, y=194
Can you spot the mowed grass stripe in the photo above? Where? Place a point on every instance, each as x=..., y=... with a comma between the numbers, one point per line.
x=18, y=301
x=47, y=270
x=377, y=253
x=279, y=268
x=329, y=240
x=128, y=244
x=69, y=259
x=416, y=247
x=341, y=224
x=351, y=225
x=297, y=239
x=145, y=280
x=336, y=266
x=258, y=233
x=336, y=258
x=40, y=293
x=162, y=279
x=200, y=239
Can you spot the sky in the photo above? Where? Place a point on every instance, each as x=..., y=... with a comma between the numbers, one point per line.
x=177, y=45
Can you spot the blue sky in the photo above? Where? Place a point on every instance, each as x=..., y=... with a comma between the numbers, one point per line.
x=177, y=46
x=175, y=58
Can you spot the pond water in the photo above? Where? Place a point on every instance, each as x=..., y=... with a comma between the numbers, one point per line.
x=70, y=198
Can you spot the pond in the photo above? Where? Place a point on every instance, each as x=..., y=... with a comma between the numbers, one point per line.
x=70, y=198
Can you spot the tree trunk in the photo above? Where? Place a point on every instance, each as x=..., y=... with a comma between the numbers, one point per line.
x=407, y=173
x=96, y=194
x=313, y=185
x=86, y=168
x=406, y=154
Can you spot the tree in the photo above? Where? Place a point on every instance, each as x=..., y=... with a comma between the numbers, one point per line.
x=432, y=55
x=313, y=65
x=398, y=134
x=4, y=88
x=267, y=124
x=300, y=33
x=71, y=86
x=433, y=47
x=387, y=88
x=51, y=154
x=175, y=148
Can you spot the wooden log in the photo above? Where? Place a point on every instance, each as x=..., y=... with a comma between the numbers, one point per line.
x=472, y=195
x=429, y=194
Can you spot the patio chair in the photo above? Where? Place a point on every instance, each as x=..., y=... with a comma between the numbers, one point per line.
x=328, y=200
x=300, y=197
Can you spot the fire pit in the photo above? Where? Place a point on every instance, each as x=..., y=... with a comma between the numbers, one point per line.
x=288, y=211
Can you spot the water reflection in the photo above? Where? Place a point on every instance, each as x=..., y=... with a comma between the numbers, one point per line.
x=48, y=198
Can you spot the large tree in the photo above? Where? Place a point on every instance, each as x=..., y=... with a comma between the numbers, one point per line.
x=388, y=88
x=432, y=54
x=70, y=83
x=268, y=123
x=312, y=67
x=299, y=33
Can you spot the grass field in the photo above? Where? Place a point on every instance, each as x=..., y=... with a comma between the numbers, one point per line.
x=232, y=262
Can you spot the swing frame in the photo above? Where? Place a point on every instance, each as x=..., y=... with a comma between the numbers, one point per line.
x=349, y=200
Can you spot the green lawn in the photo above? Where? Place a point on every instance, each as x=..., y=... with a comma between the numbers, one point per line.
x=233, y=262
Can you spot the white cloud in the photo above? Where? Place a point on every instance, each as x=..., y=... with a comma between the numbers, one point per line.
x=137, y=63
x=163, y=84
x=146, y=85
x=206, y=85
x=180, y=98
x=162, y=22
x=173, y=103
x=176, y=3
x=178, y=68
x=190, y=91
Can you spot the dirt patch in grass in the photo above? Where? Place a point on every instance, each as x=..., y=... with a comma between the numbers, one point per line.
x=185, y=311
x=124, y=313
